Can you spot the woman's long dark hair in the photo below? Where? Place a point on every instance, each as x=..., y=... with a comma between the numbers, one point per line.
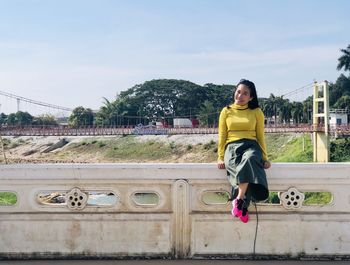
x=254, y=103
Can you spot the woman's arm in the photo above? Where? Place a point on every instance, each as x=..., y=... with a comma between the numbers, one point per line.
x=222, y=138
x=260, y=133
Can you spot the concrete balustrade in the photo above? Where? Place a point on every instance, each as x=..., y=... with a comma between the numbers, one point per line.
x=58, y=212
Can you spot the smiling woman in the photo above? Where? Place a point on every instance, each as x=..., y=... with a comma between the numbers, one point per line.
x=242, y=149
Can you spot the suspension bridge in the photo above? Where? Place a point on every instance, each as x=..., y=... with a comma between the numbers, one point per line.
x=295, y=95
x=45, y=107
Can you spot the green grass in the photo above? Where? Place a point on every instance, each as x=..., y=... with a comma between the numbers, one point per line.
x=311, y=198
x=317, y=198
x=7, y=198
x=276, y=143
x=298, y=148
x=285, y=148
x=132, y=150
x=273, y=198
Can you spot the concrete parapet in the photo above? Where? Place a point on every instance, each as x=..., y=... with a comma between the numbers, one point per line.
x=170, y=211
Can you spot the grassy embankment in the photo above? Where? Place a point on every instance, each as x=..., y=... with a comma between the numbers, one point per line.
x=129, y=149
x=281, y=148
x=289, y=147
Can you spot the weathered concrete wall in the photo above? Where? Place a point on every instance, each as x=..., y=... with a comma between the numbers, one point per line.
x=180, y=223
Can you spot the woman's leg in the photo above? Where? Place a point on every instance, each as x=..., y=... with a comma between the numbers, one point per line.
x=242, y=189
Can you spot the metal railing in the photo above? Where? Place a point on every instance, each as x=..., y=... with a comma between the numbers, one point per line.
x=112, y=130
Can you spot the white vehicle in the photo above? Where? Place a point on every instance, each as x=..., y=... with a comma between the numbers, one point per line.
x=182, y=123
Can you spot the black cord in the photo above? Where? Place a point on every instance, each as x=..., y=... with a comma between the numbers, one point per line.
x=256, y=228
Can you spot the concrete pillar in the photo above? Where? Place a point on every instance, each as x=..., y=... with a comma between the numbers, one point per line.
x=321, y=122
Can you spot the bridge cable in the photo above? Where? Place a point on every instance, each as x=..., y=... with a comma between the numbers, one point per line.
x=298, y=89
x=32, y=101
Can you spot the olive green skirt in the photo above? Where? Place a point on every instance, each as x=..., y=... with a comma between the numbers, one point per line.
x=244, y=164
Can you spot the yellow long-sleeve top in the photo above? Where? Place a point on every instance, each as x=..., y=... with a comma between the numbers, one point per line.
x=239, y=122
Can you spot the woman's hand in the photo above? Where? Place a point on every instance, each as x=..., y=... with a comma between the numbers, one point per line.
x=221, y=164
x=267, y=164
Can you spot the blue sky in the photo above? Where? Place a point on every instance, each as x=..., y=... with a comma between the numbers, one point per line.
x=75, y=52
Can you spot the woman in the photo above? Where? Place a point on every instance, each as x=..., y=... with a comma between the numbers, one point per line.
x=242, y=149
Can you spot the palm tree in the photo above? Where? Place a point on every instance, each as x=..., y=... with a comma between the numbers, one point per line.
x=286, y=111
x=276, y=104
x=108, y=114
x=307, y=110
x=344, y=60
x=297, y=112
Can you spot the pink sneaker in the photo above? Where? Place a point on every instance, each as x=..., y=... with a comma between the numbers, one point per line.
x=240, y=210
x=245, y=216
x=237, y=205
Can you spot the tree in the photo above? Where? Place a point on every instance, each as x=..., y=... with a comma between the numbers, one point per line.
x=11, y=119
x=3, y=118
x=19, y=118
x=219, y=95
x=163, y=99
x=285, y=111
x=343, y=102
x=24, y=118
x=297, y=112
x=208, y=115
x=107, y=114
x=275, y=107
x=45, y=119
x=344, y=60
x=307, y=110
x=119, y=112
x=266, y=105
x=81, y=117
x=339, y=89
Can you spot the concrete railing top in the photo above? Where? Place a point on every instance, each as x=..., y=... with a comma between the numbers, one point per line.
x=329, y=171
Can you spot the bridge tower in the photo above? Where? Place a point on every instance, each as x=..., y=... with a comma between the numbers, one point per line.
x=18, y=102
x=321, y=122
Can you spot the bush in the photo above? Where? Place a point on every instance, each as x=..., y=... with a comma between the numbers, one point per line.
x=101, y=144
x=210, y=145
x=340, y=150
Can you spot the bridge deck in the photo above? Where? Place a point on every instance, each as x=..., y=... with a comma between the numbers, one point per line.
x=340, y=130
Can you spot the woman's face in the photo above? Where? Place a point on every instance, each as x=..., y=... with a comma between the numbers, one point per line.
x=242, y=95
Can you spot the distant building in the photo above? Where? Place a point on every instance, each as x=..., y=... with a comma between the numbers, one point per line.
x=338, y=117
